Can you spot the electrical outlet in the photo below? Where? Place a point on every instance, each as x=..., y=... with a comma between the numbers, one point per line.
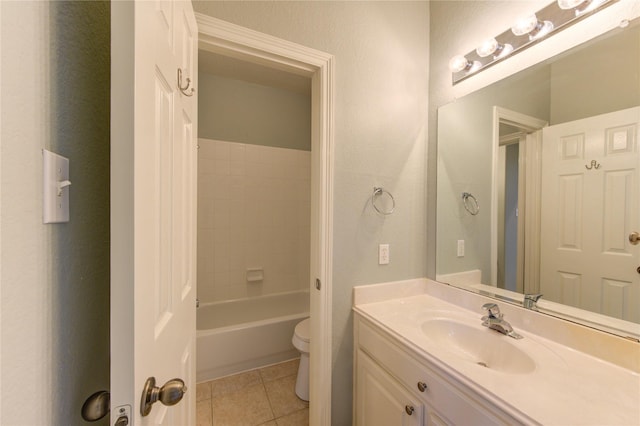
x=383, y=254
x=460, y=248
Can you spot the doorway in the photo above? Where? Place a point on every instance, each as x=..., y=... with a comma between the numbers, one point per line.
x=223, y=38
x=515, y=212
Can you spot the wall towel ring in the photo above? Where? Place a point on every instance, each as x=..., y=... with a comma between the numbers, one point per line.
x=471, y=206
x=377, y=192
x=184, y=89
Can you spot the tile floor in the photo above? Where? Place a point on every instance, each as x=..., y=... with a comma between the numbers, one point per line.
x=262, y=397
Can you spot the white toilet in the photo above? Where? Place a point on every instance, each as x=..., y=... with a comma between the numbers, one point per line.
x=300, y=340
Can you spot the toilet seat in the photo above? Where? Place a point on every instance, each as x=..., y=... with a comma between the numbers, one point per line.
x=301, y=336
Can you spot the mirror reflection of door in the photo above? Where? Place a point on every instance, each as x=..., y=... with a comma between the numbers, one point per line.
x=590, y=205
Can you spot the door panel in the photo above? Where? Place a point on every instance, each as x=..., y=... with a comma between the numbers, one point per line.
x=590, y=205
x=153, y=207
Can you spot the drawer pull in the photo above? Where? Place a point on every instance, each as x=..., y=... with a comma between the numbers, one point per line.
x=409, y=409
x=422, y=386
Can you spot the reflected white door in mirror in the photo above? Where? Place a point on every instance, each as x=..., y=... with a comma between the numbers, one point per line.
x=590, y=204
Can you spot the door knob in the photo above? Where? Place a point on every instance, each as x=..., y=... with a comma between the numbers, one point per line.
x=634, y=238
x=122, y=421
x=169, y=394
x=96, y=406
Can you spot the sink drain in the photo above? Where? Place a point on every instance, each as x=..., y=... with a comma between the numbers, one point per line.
x=482, y=364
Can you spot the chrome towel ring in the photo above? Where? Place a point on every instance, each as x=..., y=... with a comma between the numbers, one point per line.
x=379, y=192
x=471, y=206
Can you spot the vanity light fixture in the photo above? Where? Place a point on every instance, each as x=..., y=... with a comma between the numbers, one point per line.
x=590, y=6
x=569, y=4
x=531, y=29
x=459, y=63
x=492, y=47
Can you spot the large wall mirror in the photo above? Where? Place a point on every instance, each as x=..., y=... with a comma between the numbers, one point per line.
x=539, y=185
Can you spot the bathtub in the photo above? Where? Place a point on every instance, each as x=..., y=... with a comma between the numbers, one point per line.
x=243, y=334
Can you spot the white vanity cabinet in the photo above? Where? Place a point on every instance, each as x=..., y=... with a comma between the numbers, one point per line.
x=394, y=386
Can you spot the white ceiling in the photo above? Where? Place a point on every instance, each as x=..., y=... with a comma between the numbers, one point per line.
x=225, y=66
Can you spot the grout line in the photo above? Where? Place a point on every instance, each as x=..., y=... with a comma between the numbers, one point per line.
x=273, y=414
x=213, y=420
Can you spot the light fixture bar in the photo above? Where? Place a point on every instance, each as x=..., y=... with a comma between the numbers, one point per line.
x=550, y=20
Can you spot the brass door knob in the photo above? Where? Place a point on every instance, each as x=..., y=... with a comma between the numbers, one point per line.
x=409, y=409
x=634, y=238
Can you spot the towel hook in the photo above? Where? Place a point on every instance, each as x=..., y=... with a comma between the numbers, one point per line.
x=184, y=89
x=472, y=207
x=377, y=191
x=594, y=164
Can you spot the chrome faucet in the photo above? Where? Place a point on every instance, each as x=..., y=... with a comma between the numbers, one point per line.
x=530, y=301
x=494, y=321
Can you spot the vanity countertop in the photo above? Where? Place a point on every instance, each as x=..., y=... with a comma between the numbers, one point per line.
x=566, y=386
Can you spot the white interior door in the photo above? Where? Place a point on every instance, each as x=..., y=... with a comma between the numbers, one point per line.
x=153, y=188
x=590, y=205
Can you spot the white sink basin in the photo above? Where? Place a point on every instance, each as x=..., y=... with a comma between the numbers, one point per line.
x=479, y=345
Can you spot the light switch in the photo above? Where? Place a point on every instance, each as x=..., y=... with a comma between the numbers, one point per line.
x=56, y=187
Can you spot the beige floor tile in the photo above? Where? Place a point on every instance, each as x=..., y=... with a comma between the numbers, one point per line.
x=234, y=383
x=203, y=391
x=299, y=418
x=277, y=371
x=203, y=413
x=270, y=423
x=282, y=396
x=248, y=406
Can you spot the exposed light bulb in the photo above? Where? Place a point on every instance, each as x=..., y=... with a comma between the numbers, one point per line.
x=503, y=50
x=492, y=47
x=530, y=25
x=487, y=47
x=458, y=63
x=569, y=4
x=591, y=5
x=525, y=25
x=541, y=30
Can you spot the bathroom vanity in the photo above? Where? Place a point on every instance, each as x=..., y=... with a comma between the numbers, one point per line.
x=423, y=357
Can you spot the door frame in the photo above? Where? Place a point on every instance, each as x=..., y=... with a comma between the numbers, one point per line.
x=238, y=42
x=531, y=214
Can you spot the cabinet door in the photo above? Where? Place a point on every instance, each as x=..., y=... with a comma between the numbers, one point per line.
x=381, y=400
x=433, y=419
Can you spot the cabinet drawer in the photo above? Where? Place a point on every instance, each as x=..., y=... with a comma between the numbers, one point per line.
x=459, y=407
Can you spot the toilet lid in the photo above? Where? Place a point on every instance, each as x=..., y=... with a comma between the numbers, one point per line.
x=302, y=330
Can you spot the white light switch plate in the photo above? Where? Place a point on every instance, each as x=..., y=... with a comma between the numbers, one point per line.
x=56, y=188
